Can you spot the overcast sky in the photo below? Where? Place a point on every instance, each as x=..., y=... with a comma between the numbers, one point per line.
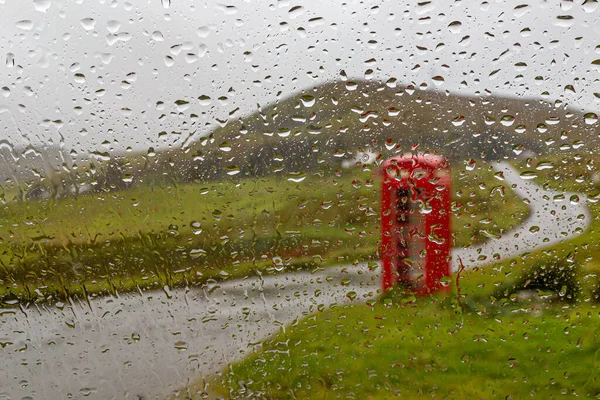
x=80, y=73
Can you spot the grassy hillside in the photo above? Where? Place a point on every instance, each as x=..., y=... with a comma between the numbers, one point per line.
x=314, y=130
x=167, y=235
x=523, y=327
x=319, y=126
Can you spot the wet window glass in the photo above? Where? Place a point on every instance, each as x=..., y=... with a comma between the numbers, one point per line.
x=299, y=199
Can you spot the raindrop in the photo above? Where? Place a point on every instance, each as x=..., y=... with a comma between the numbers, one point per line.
x=542, y=165
x=190, y=58
x=438, y=80
x=564, y=21
x=182, y=105
x=455, y=27
x=10, y=60
x=204, y=100
x=542, y=128
x=88, y=23
x=518, y=149
x=203, y=31
x=181, y=345
x=225, y=146
x=507, y=120
x=590, y=118
x=41, y=5
x=458, y=121
x=233, y=170
x=166, y=3
x=296, y=176
x=25, y=24
x=296, y=11
x=284, y=132
x=307, y=100
x=529, y=175
x=196, y=229
x=590, y=5
x=562, y=293
x=113, y=26
x=157, y=36
x=574, y=199
x=197, y=253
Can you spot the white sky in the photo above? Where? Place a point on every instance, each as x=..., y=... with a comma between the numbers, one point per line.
x=260, y=48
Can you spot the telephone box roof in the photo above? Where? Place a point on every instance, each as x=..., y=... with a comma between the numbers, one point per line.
x=422, y=160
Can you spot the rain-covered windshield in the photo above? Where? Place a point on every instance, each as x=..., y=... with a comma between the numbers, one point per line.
x=299, y=199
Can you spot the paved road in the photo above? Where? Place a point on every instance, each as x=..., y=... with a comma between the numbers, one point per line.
x=147, y=346
x=552, y=212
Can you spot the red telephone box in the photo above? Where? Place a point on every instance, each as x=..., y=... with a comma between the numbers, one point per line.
x=415, y=223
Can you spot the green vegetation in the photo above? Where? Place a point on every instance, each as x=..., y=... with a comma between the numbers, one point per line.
x=522, y=327
x=425, y=348
x=168, y=235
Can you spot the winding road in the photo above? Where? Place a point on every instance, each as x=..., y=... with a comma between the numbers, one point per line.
x=146, y=346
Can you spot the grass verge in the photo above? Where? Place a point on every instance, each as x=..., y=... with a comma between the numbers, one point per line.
x=525, y=327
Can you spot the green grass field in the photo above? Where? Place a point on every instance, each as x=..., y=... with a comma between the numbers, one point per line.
x=492, y=341
x=426, y=349
x=169, y=235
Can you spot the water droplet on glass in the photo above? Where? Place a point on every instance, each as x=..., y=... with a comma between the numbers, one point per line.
x=25, y=24
x=204, y=100
x=113, y=26
x=590, y=118
x=191, y=58
x=225, y=146
x=197, y=253
x=350, y=85
x=10, y=60
x=296, y=11
x=542, y=128
x=196, y=228
x=590, y=6
x=455, y=27
x=507, y=120
x=203, y=32
x=41, y=5
x=88, y=23
x=233, y=170
x=307, y=100
x=458, y=121
x=438, y=80
x=529, y=175
x=564, y=21
x=296, y=176
x=181, y=345
x=574, y=199
x=157, y=36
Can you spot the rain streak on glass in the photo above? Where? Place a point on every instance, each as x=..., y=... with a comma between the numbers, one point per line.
x=368, y=199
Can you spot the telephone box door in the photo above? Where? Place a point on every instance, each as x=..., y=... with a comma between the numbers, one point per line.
x=415, y=216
